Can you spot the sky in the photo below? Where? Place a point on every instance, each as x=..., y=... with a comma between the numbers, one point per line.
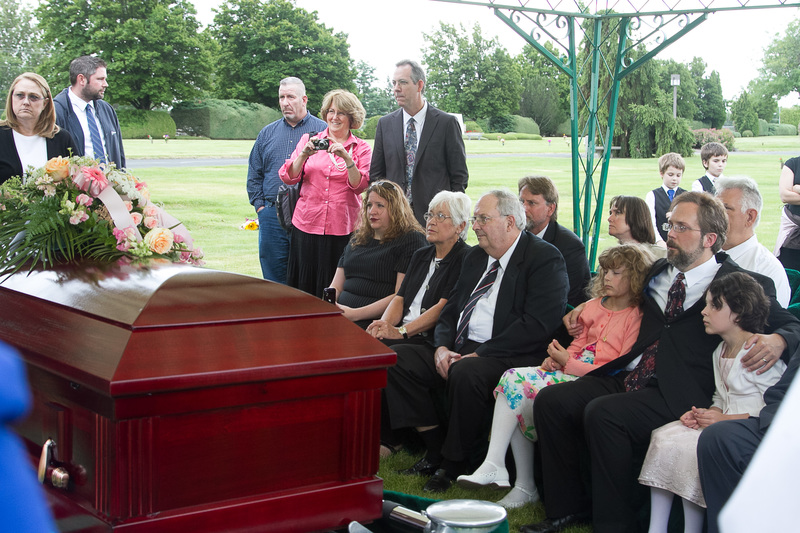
x=381, y=33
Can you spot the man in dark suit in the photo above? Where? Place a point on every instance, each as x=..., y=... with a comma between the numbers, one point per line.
x=611, y=412
x=539, y=198
x=80, y=110
x=501, y=314
x=418, y=146
x=725, y=449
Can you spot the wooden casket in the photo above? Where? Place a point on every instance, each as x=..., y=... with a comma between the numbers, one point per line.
x=183, y=399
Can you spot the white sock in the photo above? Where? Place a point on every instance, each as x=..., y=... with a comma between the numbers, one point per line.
x=693, y=516
x=504, y=424
x=660, y=506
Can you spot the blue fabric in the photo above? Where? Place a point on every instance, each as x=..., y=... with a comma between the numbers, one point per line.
x=94, y=133
x=273, y=245
x=22, y=504
x=274, y=145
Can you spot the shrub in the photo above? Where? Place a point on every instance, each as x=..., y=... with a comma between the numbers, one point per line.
x=501, y=123
x=763, y=128
x=471, y=125
x=737, y=135
x=747, y=133
x=790, y=115
x=483, y=124
x=223, y=119
x=525, y=125
x=138, y=123
x=370, y=127
x=723, y=136
x=783, y=129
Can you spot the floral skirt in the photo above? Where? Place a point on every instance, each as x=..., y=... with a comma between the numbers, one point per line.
x=671, y=462
x=521, y=385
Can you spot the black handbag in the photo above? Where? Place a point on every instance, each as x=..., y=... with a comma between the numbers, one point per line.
x=285, y=203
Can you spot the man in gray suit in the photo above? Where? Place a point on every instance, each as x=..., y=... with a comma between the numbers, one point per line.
x=418, y=146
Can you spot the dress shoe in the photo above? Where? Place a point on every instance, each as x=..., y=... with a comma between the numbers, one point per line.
x=420, y=468
x=553, y=525
x=496, y=479
x=518, y=497
x=440, y=482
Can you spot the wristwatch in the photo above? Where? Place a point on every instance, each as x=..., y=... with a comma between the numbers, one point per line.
x=402, y=331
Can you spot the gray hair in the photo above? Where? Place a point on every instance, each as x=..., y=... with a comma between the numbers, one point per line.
x=509, y=205
x=86, y=65
x=460, y=208
x=751, y=197
x=291, y=80
x=417, y=72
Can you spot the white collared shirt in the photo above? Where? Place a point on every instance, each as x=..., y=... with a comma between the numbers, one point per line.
x=419, y=120
x=79, y=106
x=696, y=282
x=698, y=186
x=482, y=321
x=752, y=255
x=541, y=233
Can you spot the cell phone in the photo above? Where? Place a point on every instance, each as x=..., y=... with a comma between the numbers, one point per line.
x=329, y=295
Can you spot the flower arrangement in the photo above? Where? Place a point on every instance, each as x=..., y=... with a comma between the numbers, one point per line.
x=77, y=208
x=249, y=224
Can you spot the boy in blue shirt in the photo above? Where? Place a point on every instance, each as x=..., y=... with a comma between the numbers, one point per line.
x=671, y=167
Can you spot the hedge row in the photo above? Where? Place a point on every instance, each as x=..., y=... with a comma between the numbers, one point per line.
x=706, y=135
x=223, y=119
x=138, y=124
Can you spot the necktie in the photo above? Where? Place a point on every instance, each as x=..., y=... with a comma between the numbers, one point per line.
x=482, y=288
x=411, y=151
x=94, y=133
x=646, y=368
x=671, y=194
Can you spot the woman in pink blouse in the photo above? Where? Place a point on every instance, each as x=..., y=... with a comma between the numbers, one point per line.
x=334, y=167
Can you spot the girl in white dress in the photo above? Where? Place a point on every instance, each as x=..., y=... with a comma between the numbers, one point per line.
x=736, y=309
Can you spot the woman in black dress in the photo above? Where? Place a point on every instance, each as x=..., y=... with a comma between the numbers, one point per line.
x=374, y=263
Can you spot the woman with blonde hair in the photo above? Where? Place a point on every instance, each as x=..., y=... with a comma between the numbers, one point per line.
x=333, y=166
x=374, y=263
x=29, y=135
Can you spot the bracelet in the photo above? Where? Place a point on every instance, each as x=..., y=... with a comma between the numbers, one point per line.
x=351, y=166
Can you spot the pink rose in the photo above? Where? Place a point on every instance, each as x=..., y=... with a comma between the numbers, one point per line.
x=91, y=180
x=83, y=199
x=78, y=217
x=137, y=218
x=159, y=240
x=185, y=256
x=128, y=205
x=179, y=238
x=150, y=222
x=150, y=210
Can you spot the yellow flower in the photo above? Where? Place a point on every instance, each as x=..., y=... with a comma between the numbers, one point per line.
x=57, y=168
x=159, y=240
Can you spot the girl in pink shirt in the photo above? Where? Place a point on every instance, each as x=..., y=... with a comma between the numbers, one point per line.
x=611, y=324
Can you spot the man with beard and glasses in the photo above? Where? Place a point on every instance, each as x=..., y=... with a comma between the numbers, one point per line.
x=81, y=111
x=539, y=198
x=609, y=413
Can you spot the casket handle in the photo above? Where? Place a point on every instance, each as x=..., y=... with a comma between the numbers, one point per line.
x=59, y=477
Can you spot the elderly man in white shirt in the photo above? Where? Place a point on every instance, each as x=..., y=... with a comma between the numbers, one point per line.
x=743, y=205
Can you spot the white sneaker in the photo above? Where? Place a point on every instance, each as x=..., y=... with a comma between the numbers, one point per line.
x=518, y=497
x=497, y=479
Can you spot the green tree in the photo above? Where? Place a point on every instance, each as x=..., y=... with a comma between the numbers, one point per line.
x=687, y=90
x=781, y=63
x=763, y=98
x=670, y=134
x=154, y=51
x=545, y=90
x=469, y=74
x=744, y=114
x=710, y=104
x=376, y=101
x=20, y=48
x=264, y=41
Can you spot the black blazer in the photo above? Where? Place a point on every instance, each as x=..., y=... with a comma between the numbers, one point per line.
x=10, y=165
x=530, y=305
x=441, y=283
x=574, y=252
x=774, y=395
x=440, y=161
x=112, y=136
x=683, y=361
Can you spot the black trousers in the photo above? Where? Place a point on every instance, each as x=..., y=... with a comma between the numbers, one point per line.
x=596, y=413
x=723, y=453
x=413, y=383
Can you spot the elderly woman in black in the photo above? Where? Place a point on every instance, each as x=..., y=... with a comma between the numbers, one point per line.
x=29, y=136
x=431, y=275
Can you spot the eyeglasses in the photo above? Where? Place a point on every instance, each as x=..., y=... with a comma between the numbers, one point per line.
x=32, y=98
x=439, y=217
x=678, y=228
x=481, y=220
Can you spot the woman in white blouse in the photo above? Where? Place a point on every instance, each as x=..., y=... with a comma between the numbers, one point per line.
x=29, y=135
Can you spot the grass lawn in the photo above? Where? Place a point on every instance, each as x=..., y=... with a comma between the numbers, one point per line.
x=212, y=202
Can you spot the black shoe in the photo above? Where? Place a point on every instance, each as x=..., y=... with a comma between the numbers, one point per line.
x=552, y=525
x=440, y=482
x=420, y=468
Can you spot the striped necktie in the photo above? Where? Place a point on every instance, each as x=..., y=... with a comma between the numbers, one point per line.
x=482, y=288
x=94, y=133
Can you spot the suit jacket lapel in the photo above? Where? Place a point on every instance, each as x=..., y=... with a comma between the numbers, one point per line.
x=399, y=138
x=431, y=122
x=508, y=285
